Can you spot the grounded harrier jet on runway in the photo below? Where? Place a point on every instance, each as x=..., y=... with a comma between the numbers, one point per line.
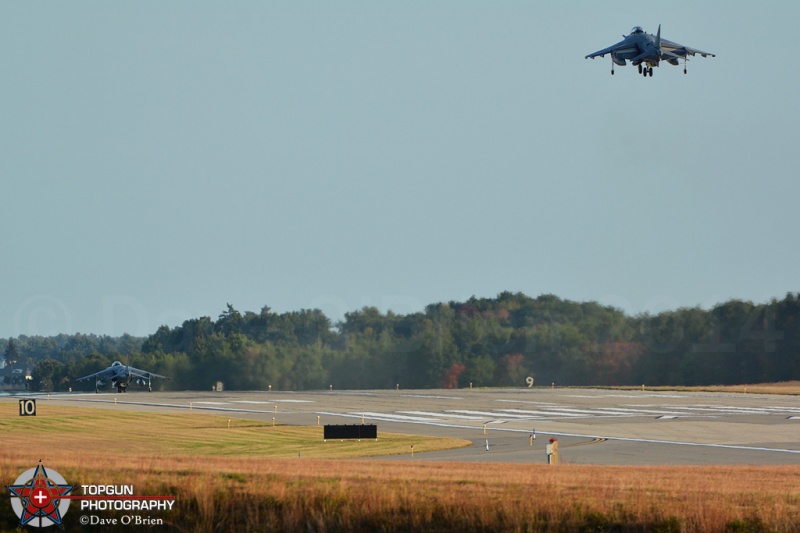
x=646, y=51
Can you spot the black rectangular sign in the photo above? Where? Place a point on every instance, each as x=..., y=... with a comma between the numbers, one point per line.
x=27, y=408
x=356, y=431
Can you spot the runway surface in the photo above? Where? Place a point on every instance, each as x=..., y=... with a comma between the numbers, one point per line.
x=592, y=426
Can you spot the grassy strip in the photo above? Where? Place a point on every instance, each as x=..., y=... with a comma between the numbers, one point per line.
x=166, y=434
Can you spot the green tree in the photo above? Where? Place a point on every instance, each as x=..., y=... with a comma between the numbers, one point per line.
x=480, y=371
x=230, y=321
x=11, y=355
x=47, y=375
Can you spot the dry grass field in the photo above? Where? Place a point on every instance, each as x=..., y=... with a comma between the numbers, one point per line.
x=227, y=480
x=791, y=388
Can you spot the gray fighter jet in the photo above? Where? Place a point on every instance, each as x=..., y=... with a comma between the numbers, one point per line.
x=120, y=376
x=646, y=51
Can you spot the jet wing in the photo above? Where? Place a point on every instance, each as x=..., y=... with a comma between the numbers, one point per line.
x=681, y=50
x=621, y=47
x=135, y=372
x=104, y=375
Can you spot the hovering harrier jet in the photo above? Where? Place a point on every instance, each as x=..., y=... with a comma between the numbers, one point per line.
x=120, y=376
x=646, y=51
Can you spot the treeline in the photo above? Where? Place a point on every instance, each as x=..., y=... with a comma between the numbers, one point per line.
x=487, y=342
x=55, y=357
x=66, y=348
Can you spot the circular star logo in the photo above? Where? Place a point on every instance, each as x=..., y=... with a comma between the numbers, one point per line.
x=37, y=497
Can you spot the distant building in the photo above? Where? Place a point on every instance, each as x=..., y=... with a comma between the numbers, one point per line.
x=16, y=378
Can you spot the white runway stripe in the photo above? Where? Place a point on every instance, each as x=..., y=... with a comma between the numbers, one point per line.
x=642, y=412
x=593, y=412
x=447, y=415
x=527, y=402
x=271, y=401
x=623, y=396
x=490, y=414
x=391, y=416
x=547, y=414
x=431, y=397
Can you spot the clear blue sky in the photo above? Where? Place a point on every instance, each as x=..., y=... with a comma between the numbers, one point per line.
x=161, y=159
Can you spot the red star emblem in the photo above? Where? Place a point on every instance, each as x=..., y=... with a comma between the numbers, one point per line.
x=40, y=497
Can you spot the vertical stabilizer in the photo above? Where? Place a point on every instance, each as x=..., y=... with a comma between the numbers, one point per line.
x=658, y=39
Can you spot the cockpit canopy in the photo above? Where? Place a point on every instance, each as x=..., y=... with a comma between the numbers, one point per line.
x=637, y=29
x=116, y=363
